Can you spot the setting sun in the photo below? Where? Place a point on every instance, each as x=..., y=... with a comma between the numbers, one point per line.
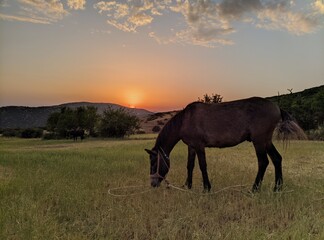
x=133, y=98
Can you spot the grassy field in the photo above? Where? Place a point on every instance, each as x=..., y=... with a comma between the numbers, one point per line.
x=59, y=190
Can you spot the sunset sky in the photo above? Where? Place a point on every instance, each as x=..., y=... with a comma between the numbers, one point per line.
x=160, y=54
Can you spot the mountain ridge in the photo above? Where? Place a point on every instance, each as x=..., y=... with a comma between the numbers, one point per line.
x=29, y=117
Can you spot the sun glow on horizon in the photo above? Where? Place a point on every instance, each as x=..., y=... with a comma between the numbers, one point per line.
x=133, y=97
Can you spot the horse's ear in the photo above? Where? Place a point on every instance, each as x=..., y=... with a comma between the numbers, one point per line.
x=151, y=152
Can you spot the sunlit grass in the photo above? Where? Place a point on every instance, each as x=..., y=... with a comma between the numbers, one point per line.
x=59, y=190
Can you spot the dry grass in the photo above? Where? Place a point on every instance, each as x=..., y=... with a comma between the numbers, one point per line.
x=59, y=190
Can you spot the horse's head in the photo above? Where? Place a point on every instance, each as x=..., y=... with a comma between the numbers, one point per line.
x=159, y=166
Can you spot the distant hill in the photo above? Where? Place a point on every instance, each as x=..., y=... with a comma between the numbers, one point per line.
x=305, y=94
x=29, y=117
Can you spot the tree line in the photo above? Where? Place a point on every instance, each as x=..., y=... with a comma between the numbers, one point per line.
x=112, y=123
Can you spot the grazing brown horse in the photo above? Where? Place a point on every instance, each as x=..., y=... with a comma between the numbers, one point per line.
x=222, y=125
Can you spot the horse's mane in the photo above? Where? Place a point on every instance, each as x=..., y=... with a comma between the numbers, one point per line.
x=170, y=127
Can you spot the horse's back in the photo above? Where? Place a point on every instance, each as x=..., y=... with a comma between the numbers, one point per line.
x=253, y=109
x=230, y=123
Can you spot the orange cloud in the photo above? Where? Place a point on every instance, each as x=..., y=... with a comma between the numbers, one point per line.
x=319, y=6
x=76, y=4
x=23, y=19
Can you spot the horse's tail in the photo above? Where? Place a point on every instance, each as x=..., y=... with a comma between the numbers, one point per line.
x=288, y=128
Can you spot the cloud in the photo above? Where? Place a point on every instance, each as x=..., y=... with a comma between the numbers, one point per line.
x=53, y=10
x=295, y=23
x=202, y=37
x=319, y=6
x=35, y=11
x=22, y=19
x=76, y=4
x=201, y=26
x=140, y=19
x=280, y=15
x=130, y=15
x=208, y=23
x=235, y=9
x=204, y=26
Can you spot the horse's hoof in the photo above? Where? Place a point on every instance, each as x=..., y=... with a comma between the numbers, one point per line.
x=188, y=184
x=207, y=188
x=255, y=189
x=277, y=188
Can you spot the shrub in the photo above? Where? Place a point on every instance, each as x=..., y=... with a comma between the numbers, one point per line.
x=317, y=134
x=32, y=133
x=118, y=123
x=151, y=118
x=214, y=98
x=156, y=129
x=50, y=136
x=140, y=131
x=11, y=132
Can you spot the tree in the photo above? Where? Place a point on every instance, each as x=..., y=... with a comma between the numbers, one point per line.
x=156, y=129
x=214, y=98
x=118, y=123
x=52, y=121
x=91, y=119
x=68, y=119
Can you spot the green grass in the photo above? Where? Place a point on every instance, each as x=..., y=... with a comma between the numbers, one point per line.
x=59, y=190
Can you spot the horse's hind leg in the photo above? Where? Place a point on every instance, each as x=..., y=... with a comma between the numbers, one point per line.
x=203, y=167
x=190, y=166
x=276, y=160
x=263, y=163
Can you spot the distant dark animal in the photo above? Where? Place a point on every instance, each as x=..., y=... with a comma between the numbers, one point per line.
x=75, y=133
x=223, y=125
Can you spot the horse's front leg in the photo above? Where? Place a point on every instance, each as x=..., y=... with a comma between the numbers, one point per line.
x=190, y=166
x=203, y=167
